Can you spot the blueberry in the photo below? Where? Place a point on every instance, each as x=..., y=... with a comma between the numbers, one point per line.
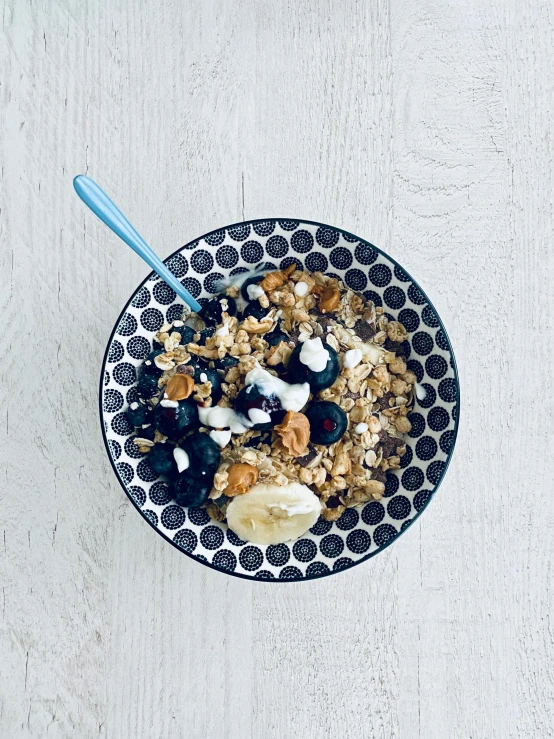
x=328, y=422
x=251, y=398
x=161, y=459
x=255, y=310
x=147, y=433
x=187, y=333
x=299, y=372
x=148, y=367
x=147, y=386
x=189, y=491
x=275, y=337
x=212, y=311
x=225, y=363
x=203, y=454
x=250, y=281
x=205, y=334
x=211, y=376
x=140, y=415
x=173, y=422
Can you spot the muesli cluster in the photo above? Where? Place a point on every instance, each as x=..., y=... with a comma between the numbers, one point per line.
x=288, y=385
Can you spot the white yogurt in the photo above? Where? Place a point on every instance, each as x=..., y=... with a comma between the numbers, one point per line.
x=222, y=418
x=181, y=458
x=301, y=288
x=255, y=292
x=420, y=391
x=221, y=438
x=203, y=377
x=223, y=330
x=352, y=358
x=169, y=403
x=361, y=428
x=314, y=355
x=134, y=406
x=291, y=397
x=256, y=415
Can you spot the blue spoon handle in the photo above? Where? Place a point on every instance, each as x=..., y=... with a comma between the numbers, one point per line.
x=109, y=213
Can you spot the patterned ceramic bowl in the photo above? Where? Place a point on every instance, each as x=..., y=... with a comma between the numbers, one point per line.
x=361, y=532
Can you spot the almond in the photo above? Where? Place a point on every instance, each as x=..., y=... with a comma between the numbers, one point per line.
x=179, y=387
x=240, y=478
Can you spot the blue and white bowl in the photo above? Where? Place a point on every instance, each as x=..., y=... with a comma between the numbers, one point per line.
x=361, y=532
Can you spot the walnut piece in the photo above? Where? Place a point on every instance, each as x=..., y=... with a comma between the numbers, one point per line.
x=253, y=326
x=294, y=432
x=278, y=354
x=396, y=331
x=240, y=478
x=272, y=281
x=329, y=300
x=179, y=387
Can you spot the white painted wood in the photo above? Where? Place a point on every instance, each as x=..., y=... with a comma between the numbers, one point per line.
x=425, y=127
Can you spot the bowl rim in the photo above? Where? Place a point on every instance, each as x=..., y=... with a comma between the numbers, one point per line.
x=252, y=578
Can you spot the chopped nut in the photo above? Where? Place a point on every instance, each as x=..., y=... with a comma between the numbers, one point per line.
x=200, y=351
x=294, y=432
x=409, y=378
x=232, y=291
x=214, y=512
x=332, y=514
x=272, y=280
x=253, y=326
x=278, y=354
x=319, y=477
x=402, y=424
x=398, y=366
x=179, y=387
x=396, y=332
x=329, y=300
x=240, y=478
x=399, y=387
x=375, y=486
x=283, y=298
x=220, y=480
x=306, y=476
x=342, y=464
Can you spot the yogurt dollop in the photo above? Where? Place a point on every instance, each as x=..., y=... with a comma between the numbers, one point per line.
x=181, y=458
x=291, y=397
x=222, y=418
x=352, y=358
x=166, y=403
x=221, y=438
x=256, y=415
x=254, y=291
x=420, y=391
x=314, y=355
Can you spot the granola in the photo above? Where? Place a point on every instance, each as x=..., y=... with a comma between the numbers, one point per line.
x=307, y=384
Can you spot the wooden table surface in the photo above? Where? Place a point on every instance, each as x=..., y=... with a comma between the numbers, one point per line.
x=424, y=127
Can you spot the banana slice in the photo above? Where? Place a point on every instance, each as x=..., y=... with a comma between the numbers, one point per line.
x=272, y=514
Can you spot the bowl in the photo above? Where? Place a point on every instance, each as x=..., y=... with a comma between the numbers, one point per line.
x=360, y=533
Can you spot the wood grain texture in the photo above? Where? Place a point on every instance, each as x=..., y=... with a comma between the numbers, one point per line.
x=426, y=128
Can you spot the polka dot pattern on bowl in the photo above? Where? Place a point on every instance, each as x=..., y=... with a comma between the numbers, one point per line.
x=329, y=547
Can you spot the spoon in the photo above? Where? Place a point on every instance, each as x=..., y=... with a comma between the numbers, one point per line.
x=109, y=213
